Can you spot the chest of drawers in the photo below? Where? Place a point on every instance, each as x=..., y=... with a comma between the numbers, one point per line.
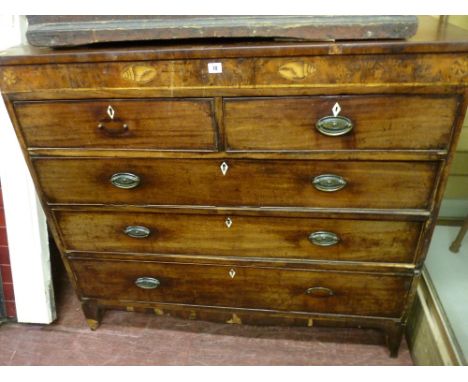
x=300, y=185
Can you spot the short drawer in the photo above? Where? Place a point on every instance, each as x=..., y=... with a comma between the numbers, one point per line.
x=209, y=182
x=236, y=235
x=159, y=124
x=339, y=123
x=243, y=287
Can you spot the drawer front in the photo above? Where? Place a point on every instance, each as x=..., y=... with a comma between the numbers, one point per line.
x=361, y=122
x=158, y=124
x=244, y=287
x=270, y=74
x=245, y=183
x=246, y=236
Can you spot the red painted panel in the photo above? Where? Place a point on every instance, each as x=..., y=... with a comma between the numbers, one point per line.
x=8, y=292
x=2, y=217
x=4, y=255
x=5, y=270
x=10, y=308
x=3, y=237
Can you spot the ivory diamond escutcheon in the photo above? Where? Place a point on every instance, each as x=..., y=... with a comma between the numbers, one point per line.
x=336, y=109
x=110, y=112
x=224, y=168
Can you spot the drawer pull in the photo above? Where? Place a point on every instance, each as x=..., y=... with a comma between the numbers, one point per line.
x=334, y=126
x=147, y=283
x=125, y=180
x=319, y=292
x=120, y=128
x=324, y=238
x=329, y=182
x=137, y=231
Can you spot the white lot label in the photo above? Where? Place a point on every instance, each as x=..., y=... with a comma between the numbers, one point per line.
x=215, y=67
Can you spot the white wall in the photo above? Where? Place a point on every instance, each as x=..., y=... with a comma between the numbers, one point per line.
x=25, y=219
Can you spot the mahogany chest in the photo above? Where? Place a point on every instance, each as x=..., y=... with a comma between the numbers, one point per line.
x=249, y=182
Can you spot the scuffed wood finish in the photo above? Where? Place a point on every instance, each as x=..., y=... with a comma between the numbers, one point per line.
x=379, y=122
x=93, y=312
x=407, y=100
x=404, y=269
x=273, y=183
x=299, y=212
x=378, y=69
x=234, y=235
x=343, y=155
x=431, y=37
x=260, y=74
x=160, y=124
x=244, y=287
x=60, y=31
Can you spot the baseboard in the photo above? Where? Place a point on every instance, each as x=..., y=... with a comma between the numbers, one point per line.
x=429, y=336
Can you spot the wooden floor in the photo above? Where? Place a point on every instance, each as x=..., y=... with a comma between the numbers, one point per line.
x=145, y=339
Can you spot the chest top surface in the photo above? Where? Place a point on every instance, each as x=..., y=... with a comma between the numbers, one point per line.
x=431, y=37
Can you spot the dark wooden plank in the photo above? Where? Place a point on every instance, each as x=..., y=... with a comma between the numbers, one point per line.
x=430, y=37
x=60, y=31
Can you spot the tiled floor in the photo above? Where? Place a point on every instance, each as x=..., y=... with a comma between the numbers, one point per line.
x=145, y=339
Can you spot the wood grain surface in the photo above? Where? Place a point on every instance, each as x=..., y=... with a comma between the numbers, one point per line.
x=160, y=124
x=406, y=100
x=60, y=31
x=379, y=122
x=246, y=236
x=260, y=75
x=431, y=37
x=246, y=183
x=257, y=288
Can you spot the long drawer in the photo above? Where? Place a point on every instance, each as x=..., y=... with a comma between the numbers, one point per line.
x=158, y=124
x=246, y=236
x=334, y=184
x=243, y=287
x=339, y=122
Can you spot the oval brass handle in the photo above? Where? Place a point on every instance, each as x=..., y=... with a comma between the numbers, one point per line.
x=137, y=231
x=147, y=283
x=334, y=126
x=329, y=182
x=320, y=292
x=125, y=180
x=324, y=238
x=121, y=128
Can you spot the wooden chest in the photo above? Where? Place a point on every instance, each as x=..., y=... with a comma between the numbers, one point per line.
x=258, y=182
